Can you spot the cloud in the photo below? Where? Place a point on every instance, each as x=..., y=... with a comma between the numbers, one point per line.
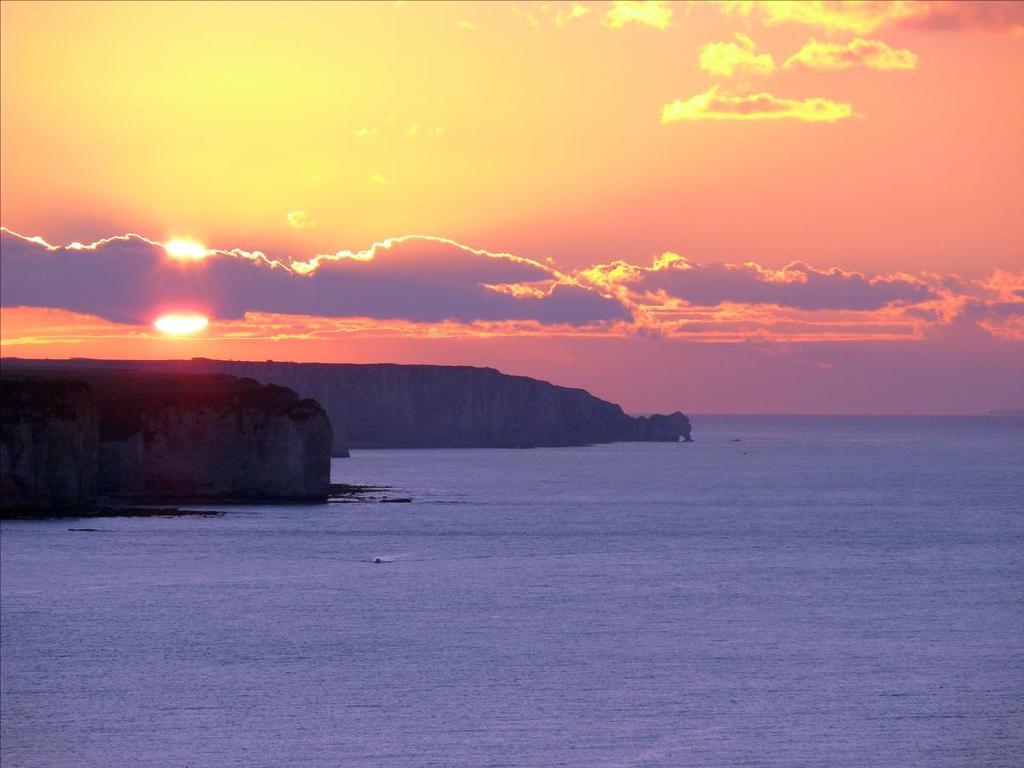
x=378, y=178
x=676, y=297
x=652, y=13
x=560, y=13
x=130, y=279
x=710, y=105
x=738, y=58
x=873, y=54
x=392, y=129
x=575, y=11
x=840, y=15
x=994, y=16
x=797, y=285
x=433, y=286
x=866, y=16
x=299, y=220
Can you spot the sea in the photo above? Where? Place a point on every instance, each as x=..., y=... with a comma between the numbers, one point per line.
x=785, y=591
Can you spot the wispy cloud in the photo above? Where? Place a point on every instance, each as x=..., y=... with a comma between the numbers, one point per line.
x=735, y=58
x=678, y=297
x=300, y=220
x=866, y=16
x=873, y=54
x=565, y=15
x=857, y=16
x=797, y=285
x=651, y=13
x=560, y=14
x=713, y=105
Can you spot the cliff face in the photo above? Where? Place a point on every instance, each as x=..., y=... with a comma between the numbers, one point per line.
x=154, y=436
x=435, y=406
x=428, y=406
x=49, y=434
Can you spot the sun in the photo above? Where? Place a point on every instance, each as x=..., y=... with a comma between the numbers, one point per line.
x=186, y=250
x=181, y=325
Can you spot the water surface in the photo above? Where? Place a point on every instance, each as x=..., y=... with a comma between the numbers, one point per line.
x=785, y=591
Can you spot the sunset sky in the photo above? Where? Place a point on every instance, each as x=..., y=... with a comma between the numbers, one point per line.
x=781, y=207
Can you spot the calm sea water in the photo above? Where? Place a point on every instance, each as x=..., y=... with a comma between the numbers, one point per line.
x=824, y=592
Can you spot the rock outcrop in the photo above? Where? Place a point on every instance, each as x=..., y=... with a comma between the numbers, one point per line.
x=435, y=406
x=49, y=440
x=77, y=436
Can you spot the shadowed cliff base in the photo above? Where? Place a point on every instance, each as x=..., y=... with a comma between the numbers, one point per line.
x=385, y=405
x=90, y=441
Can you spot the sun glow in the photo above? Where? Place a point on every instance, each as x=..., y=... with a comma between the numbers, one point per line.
x=181, y=325
x=186, y=250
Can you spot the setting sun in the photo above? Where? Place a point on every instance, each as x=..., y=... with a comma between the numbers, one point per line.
x=185, y=250
x=181, y=325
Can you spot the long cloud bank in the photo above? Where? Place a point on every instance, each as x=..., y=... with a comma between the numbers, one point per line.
x=131, y=279
x=424, y=281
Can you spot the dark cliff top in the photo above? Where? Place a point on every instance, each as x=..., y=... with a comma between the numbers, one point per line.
x=172, y=367
x=264, y=369
x=39, y=397
x=124, y=393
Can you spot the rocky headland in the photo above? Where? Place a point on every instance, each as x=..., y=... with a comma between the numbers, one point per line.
x=437, y=406
x=74, y=440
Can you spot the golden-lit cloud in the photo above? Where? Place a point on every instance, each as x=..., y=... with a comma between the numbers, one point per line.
x=652, y=13
x=575, y=11
x=873, y=54
x=559, y=13
x=858, y=16
x=713, y=105
x=797, y=285
x=866, y=16
x=676, y=297
x=735, y=58
x=300, y=220
x=993, y=16
x=378, y=178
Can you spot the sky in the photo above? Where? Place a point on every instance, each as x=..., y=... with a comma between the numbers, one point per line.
x=770, y=207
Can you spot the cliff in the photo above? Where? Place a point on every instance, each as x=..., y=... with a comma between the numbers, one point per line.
x=49, y=440
x=79, y=436
x=434, y=406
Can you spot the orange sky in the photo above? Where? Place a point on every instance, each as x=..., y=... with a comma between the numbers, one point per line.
x=877, y=143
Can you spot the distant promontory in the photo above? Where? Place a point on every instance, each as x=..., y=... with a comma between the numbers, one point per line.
x=432, y=406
